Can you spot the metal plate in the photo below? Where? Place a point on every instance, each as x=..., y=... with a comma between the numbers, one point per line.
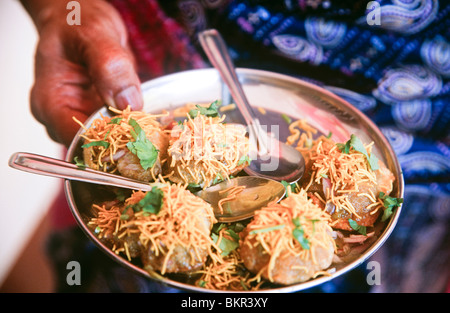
x=273, y=92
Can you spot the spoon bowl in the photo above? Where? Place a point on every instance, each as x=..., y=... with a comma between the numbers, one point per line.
x=271, y=158
x=254, y=192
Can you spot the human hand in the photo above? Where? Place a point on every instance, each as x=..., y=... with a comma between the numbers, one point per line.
x=80, y=68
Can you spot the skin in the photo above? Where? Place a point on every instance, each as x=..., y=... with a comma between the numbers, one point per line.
x=80, y=68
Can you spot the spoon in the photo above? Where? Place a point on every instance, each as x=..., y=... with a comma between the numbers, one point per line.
x=271, y=159
x=257, y=193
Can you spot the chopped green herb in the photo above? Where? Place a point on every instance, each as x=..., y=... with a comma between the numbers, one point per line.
x=97, y=230
x=211, y=111
x=79, y=163
x=287, y=185
x=142, y=147
x=151, y=203
x=299, y=234
x=390, y=204
x=267, y=229
x=201, y=283
x=357, y=145
x=100, y=143
x=329, y=135
x=324, y=175
x=286, y=118
x=116, y=120
x=243, y=284
x=218, y=178
x=226, y=245
x=360, y=229
x=244, y=159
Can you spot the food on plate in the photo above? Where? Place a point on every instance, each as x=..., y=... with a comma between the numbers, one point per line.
x=288, y=242
x=132, y=144
x=332, y=211
x=203, y=150
x=168, y=228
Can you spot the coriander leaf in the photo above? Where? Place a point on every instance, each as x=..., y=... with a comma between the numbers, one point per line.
x=373, y=162
x=151, y=203
x=142, y=147
x=390, y=204
x=286, y=185
x=360, y=229
x=299, y=235
x=244, y=159
x=296, y=221
x=79, y=163
x=211, y=111
x=116, y=120
x=218, y=178
x=232, y=234
x=357, y=145
x=99, y=143
x=344, y=148
x=286, y=118
x=226, y=245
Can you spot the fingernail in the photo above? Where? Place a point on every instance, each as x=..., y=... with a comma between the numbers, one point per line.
x=129, y=97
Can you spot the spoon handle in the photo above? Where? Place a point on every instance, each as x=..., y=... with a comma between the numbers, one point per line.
x=217, y=53
x=42, y=165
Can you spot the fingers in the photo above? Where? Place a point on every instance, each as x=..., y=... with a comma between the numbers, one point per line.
x=111, y=68
x=60, y=94
x=81, y=68
x=102, y=46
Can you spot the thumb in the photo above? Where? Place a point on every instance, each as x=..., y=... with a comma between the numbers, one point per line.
x=111, y=67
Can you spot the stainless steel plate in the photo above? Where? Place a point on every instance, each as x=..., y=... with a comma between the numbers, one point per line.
x=274, y=93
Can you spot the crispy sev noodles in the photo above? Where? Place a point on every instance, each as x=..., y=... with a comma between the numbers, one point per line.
x=289, y=241
x=204, y=150
x=176, y=239
x=344, y=177
x=109, y=136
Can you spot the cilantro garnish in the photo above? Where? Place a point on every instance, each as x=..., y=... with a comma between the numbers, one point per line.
x=211, y=111
x=116, y=120
x=142, y=147
x=79, y=163
x=99, y=143
x=355, y=143
x=227, y=243
x=151, y=203
x=390, y=204
x=360, y=229
x=287, y=185
x=286, y=118
x=244, y=159
x=299, y=233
